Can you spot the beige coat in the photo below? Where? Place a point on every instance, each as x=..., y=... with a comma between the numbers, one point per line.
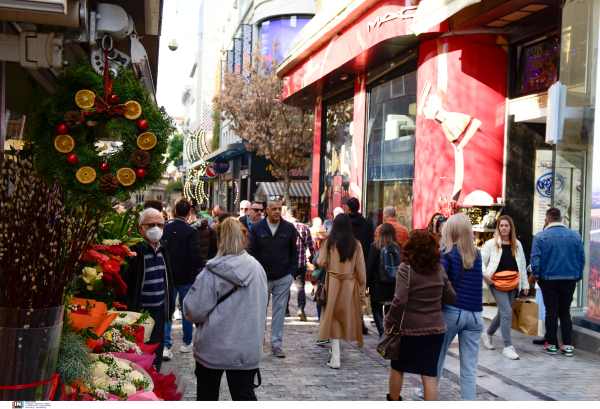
x=341, y=316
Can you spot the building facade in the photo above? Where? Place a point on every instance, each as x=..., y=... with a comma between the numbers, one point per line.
x=489, y=105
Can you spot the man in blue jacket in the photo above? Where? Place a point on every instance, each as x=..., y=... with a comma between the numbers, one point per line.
x=557, y=262
x=273, y=244
x=181, y=240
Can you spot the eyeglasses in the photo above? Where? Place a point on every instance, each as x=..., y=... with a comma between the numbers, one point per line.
x=152, y=225
x=244, y=208
x=258, y=210
x=276, y=198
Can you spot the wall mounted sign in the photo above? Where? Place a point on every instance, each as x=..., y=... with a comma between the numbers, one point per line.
x=211, y=172
x=237, y=55
x=221, y=166
x=400, y=14
x=230, y=61
x=247, y=50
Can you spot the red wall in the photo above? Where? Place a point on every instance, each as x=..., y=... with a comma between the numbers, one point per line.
x=475, y=85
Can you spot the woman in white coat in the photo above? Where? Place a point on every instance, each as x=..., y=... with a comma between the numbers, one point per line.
x=503, y=253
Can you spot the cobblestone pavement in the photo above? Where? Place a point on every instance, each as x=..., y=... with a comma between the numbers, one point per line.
x=304, y=375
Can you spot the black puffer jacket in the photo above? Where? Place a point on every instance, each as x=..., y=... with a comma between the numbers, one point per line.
x=277, y=253
x=134, y=278
x=363, y=231
x=205, y=233
x=379, y=291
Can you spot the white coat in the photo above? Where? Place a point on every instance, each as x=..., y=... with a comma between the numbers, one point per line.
x=491, y=254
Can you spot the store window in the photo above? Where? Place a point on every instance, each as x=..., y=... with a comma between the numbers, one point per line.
x=282, y=30
x=390, y=156
x=338, y=150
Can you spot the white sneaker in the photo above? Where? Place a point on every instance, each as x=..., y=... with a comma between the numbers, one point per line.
x=177, y=315
x=510, y=353
x=167, y=354
x=418, y=394
x=187, y=348
x=487, y=340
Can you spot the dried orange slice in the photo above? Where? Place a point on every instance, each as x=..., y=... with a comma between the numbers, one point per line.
x=85, y=175
x=64, y=143
x=146, y=141
x=126, y=176
x=133, y=110
x=85, y=99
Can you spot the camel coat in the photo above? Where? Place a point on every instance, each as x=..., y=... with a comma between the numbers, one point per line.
x=341, y=316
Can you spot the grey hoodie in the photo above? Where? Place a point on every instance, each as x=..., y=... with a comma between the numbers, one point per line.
x=230, y=335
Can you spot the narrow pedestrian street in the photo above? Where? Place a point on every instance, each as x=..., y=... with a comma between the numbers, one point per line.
x=304, y=375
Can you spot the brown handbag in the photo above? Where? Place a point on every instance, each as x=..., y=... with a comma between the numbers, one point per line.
x=321, y=291
x=389, y=347
x=506, y=280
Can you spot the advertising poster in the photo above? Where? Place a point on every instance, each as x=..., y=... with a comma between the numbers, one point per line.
x=459, y=146
x=247, y=50
x=237, y=56
x=543, y=189
x=230, y=61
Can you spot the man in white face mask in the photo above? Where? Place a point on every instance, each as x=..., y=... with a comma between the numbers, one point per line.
x=149, y=280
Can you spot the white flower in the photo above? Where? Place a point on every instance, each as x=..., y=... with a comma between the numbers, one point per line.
x=128, y=388
x=89, y=275
x=108, y=242
x=99, y=369
x=136, y=376
x=124, y=366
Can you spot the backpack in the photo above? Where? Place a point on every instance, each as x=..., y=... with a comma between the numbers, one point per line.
x=389, y=262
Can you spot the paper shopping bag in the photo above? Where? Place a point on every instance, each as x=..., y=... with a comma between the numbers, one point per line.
x=525, y=316
x=366, y=305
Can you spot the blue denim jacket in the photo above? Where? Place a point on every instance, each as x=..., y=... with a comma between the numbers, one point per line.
x=557, y=254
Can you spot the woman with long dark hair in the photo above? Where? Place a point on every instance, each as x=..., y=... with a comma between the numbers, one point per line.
x=432, y=225
x=381, y=293
x=345, y=284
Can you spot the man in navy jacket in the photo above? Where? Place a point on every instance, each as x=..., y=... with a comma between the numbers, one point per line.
x=273, y=244
x=557, y=262
x=181, y=240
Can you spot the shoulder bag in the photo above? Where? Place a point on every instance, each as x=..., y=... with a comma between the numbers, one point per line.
x=321, y=291
x=389, y=348
x=506, y=280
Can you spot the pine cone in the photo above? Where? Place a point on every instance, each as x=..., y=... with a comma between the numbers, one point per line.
x=73, y=119
x=140, y=158
x=108, y=183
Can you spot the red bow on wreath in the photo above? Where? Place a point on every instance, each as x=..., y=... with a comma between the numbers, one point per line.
x=101, y=105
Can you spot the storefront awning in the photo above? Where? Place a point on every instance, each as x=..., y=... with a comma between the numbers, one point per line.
x=432, y=12
x=299, y=192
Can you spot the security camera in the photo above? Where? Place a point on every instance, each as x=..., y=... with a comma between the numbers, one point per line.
x=173, y=45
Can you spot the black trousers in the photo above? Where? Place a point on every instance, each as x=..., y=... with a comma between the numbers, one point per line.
x=558, y=296
x=300, y=283
x=158, y=337
x=378, y=309
x=241, y=383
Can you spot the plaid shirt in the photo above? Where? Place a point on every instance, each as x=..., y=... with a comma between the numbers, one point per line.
x=303, y=232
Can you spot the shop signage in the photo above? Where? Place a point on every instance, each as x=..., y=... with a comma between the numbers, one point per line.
x=211, y=172
x=295, y=173
x=528, y=103
x=230, y=61
x=237, y=55
x=391, y=16
x=247, y=50
x=221, y=166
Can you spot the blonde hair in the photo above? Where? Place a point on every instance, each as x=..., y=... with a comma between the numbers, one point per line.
x=231, y=236
x=512, y=236
x=458, y=230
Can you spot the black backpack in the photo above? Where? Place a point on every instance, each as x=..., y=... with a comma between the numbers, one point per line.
x=389, y=262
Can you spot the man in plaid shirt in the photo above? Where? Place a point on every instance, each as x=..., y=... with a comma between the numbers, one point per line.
x=304, y=242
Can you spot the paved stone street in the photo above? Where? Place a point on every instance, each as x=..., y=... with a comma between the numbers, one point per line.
x=304, y=375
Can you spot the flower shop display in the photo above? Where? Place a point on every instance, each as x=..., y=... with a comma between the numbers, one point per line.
x=89, y=314
x=42, y=247
x=136, y=318
x=113, y=379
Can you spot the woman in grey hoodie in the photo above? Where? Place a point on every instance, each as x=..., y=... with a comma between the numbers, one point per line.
x=228, y=300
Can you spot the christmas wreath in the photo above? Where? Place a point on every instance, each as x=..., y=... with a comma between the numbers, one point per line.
x=101, y=137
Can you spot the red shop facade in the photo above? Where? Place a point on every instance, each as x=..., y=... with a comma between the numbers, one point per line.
x=400, y=118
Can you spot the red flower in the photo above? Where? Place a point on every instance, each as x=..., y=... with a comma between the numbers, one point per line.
x=92, y=255
x=118, y=259
x=110, y=266
x=119, y=305
x=116, y=250
x=114, y=280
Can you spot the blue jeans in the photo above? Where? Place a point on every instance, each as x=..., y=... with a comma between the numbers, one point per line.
x=468, y=326
x=188, y=327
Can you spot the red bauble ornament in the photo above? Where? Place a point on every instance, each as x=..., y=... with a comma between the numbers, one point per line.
x=72, y=159
x=113, y=99
x=140, y=173
x=62, y=129
x=104, y=166
x=142, y=124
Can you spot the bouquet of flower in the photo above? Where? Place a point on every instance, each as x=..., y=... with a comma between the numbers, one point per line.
x=100, y=279
x=114, y=379
x=136, y=318
x=121, y=338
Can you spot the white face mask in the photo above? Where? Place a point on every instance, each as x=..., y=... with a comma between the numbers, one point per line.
x=154, y=234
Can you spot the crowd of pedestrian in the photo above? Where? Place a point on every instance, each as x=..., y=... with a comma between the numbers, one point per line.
x=223, y=271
